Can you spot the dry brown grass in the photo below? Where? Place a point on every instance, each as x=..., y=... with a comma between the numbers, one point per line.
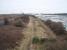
x=61, y=36
x=10, y=36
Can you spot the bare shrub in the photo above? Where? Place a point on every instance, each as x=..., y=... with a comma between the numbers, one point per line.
x=6, y=22
x=25, y=18
x=42, y=40
x=57, y=27
x=21, y=21
x=18, y=23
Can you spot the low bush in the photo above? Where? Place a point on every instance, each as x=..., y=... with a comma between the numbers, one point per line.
x=18, y=23
x=57, y=27
x=25, y=18
x=6, y=22
x=43, y=40
x=35, y=40
x=52, y=40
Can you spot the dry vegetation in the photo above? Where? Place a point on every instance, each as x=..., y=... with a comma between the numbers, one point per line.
x=10, y=34
x=9, y=37
x=61, y=41
x=57, y=27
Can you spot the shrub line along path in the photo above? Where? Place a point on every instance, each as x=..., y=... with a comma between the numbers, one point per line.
x=34, y=28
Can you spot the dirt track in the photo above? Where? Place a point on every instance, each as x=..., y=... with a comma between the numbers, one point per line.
x=34, y=28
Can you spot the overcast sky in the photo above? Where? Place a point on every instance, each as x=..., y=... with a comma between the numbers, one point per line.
x=33, y=6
